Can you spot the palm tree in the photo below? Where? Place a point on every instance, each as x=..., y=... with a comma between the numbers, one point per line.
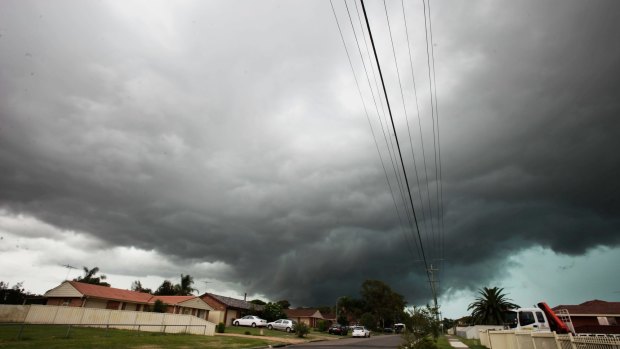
x=185, y=288
x=89, y=277
x=490, y=307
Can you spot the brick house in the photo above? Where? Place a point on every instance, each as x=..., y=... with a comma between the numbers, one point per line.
x=310, y=317
x=78, y=294
x=226, y=309
x=595, y=316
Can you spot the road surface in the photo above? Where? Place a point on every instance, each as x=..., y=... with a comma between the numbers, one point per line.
x=378, y=342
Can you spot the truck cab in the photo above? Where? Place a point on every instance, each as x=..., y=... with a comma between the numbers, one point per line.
x=533, y=319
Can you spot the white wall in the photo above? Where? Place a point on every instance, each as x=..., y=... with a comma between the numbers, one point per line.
x=136, y=320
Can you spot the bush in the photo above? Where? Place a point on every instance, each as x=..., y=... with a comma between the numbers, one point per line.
x=411, y=342
x=159, y=307
x=322, y=326
x=301, y=329
x=247, y=333
x=220, y=327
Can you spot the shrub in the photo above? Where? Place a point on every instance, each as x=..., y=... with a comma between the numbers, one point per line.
x=322, y=326
x=159, y=306
x=220, y=327
x=301, y=329
x=247, y=333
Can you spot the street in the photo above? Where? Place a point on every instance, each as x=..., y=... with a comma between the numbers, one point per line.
x=389, y=341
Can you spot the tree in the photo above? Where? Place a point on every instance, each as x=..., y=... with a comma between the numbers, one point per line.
x=137, y=286
x=185, y=287
x=381, y=301
x=12, y=295
x=257, y=302
x=490, y=307
x=90, y=278
x=422, y=328
x=284, y=303
x=273, y=311
x=166, y=289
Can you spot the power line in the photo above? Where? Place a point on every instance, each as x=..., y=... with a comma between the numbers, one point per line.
x=397, y=144
x=402, y=95
x=369, y=123
x=415, y=93
x=430, y=25
x=400, y=185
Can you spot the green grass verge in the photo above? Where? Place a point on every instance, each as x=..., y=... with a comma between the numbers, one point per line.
x=53, y=336
x=443, y=343
x=472, y=343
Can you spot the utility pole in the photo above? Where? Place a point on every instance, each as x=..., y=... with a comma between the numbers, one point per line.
x=433, y=282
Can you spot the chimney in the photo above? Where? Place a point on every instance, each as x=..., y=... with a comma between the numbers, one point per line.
x=245, y=296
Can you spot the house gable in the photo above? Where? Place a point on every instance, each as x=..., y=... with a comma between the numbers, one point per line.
x=64, y=290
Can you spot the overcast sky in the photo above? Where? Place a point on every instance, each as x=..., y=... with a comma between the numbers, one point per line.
x=228, y=140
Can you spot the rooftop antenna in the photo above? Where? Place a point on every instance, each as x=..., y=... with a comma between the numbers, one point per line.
x=206, y=282
x=69, y=267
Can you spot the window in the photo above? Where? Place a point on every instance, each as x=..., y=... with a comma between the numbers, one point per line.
x=66, y=302
x=540, y=317
x=526, y=318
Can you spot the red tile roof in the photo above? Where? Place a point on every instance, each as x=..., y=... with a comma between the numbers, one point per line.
x=171, y=299
x=592, y=307
x=118, y=294
x=110, y=293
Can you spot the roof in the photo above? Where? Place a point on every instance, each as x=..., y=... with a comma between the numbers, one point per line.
x=171, y=299
x=315, y=313
x=234, y=303
x=117, y=294
x=110, y=292
x=593, y=307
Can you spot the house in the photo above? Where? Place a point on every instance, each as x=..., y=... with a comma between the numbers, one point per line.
x=595, y=316
x=78, y=294
x=226, y=309
x=310, y=316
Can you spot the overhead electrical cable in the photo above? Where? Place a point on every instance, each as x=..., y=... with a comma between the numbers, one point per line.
x=398, y=146
x=442, y=242
x=369, y=122
x=415, y=93
x=390, y=144
x=402, y=95
x=401, y=185
x=430, y=87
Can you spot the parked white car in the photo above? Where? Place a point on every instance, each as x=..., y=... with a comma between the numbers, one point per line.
x=282, y=325
x=360, y=331
x=250, y=320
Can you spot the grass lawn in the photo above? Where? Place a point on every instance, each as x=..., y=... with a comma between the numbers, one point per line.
x=53, y=336
x=443, y=343
x=255, y=331
x=472, y=343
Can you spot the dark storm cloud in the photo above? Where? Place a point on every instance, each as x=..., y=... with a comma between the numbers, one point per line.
x=212, y=134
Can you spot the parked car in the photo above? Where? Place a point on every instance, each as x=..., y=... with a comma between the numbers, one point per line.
x=250, y=320
x=388, y=330
x=399, y=328
x=282, y=325
x=360, y=331
x=338, y=329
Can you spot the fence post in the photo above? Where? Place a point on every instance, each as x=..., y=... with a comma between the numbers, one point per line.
x=21, y=329
x=107, y=327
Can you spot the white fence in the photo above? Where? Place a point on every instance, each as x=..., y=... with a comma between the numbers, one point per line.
x=472, y=332
x=545, y=340
x=121, y=319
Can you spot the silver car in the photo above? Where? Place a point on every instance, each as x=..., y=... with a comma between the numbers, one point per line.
x=282, y=325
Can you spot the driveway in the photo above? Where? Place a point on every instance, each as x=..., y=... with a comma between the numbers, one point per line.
x=379, y=342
